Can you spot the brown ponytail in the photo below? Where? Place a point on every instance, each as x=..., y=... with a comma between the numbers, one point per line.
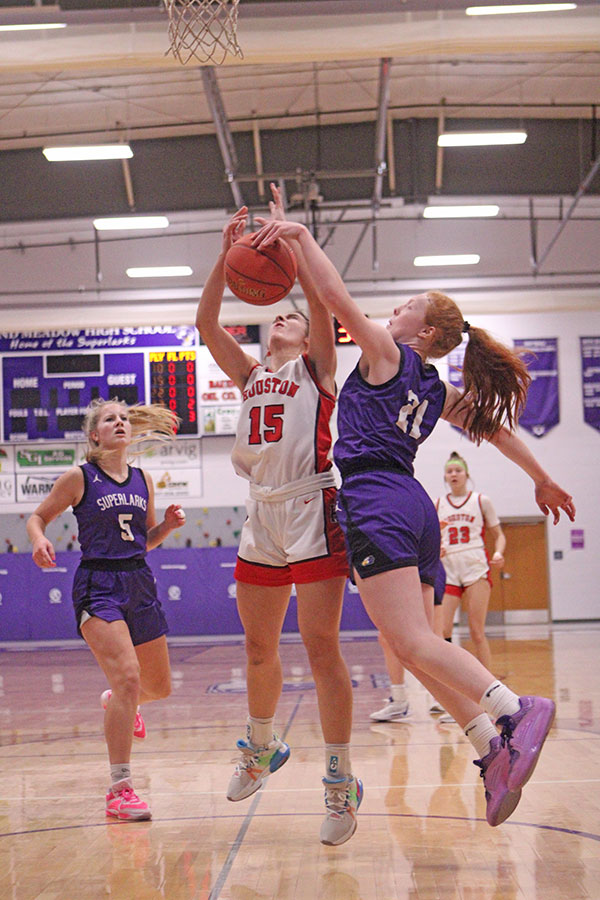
x=495, y=377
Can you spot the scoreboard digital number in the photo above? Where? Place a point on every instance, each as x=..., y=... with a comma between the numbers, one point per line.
x=173, y=384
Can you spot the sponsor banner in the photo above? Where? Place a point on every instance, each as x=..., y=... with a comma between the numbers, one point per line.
x=34, y=488
x=218, y=397
x=7, y=459
x=541, y=411
x=590, y=378
x=33, y=458
x=220, y=420
x=175, y=484
x=7, y=488
x=94, y=338
x=173, y=455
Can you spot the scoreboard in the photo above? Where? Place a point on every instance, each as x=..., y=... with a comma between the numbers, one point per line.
x=45, y=396
x=49, y=378
x=173, y=384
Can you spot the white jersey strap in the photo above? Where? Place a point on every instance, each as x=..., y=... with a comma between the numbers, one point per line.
x=308, y=485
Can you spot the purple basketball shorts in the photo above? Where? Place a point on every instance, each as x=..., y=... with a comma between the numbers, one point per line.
x=389, y=522
x=127, y=595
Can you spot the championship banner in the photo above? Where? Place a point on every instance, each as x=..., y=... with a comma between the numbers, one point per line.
x=541, y=411
x=590, y=378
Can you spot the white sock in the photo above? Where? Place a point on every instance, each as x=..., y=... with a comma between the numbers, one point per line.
x=259, y=731
x=398, y=692
x=337, y=760
x=480, y=732
x=498, y=700
x=120, y=772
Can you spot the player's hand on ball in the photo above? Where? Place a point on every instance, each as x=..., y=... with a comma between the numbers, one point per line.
x=234, y=229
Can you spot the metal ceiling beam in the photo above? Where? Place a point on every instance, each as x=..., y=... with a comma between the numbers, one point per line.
x=224, y=136
x=383, y=101
x=582, y=189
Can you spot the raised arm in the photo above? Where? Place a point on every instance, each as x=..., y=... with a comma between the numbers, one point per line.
x=380, y=353
x=549, y=496
x=321, y=338
x=66, y=491
x=224, y=349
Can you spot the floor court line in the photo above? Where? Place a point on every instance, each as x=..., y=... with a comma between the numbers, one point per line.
x=227, y=865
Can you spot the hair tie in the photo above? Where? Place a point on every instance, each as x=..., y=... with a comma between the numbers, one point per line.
x=466, y=326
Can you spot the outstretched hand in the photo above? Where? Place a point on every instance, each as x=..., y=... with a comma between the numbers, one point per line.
x=276, y=204
x=273, y=229
x=551, y=499
x=234, y=229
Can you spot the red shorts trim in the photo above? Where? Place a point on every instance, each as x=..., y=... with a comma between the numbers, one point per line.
x=456, y=590
x=306, y=572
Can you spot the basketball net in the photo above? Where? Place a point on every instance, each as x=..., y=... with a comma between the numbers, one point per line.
x=204, y=30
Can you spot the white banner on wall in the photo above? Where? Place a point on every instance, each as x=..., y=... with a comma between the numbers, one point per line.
x=175, y=485
x=7, y=460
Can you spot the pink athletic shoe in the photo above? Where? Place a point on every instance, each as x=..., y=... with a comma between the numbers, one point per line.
x=125, y=804
x=139, y=726
x=525, y=732
x=500, y=802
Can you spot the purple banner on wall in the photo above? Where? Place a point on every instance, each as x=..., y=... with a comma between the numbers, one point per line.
x=590, y=377
x=456, y=359
x=195, y=586
x=74, y=339
x=541, y=411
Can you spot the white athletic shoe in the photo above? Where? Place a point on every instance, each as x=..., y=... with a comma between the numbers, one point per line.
x=343, y=796
x=393, y=711
x=256, y=764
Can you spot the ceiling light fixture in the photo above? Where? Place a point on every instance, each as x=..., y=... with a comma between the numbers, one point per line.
x=130, y=223
x=460, y=212
x=32, y=27
x=451, y=259
x=104, y=151
x=159, y=272
x=480, y=138
x=518, y=8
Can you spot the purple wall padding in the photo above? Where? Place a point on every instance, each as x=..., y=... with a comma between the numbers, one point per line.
x=195, y=586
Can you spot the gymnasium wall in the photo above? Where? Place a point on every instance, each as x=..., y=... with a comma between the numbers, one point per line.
x=569, y=452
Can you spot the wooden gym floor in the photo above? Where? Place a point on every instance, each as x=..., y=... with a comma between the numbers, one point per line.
x=422, y=831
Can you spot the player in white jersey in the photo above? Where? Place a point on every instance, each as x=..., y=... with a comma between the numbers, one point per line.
x=465, y=516
x=291, y=534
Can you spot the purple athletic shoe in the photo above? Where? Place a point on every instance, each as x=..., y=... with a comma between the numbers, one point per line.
x=525, y=733
x=494, y=770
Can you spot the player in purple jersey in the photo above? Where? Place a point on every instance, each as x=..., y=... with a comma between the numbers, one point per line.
x=387, y=407
x=114, y=592
x=291, y=534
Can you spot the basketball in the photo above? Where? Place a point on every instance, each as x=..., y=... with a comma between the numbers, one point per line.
x=260, y=277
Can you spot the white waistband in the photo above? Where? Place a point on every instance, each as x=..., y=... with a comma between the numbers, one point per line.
x=294, y=488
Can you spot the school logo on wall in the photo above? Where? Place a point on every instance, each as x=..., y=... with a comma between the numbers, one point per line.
x=55, y=595
x=174, y=592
